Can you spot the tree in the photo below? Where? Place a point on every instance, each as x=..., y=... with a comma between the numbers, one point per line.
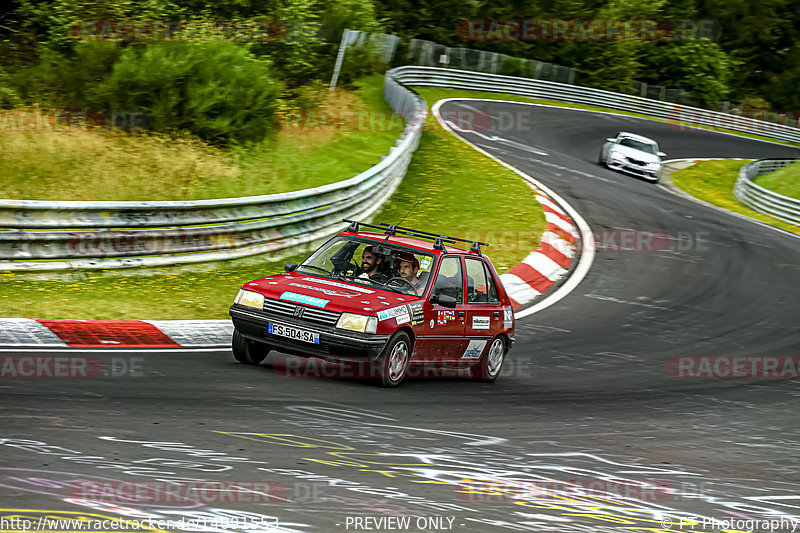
x=699, y=66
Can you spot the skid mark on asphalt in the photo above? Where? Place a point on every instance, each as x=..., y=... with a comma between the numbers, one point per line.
x=627, y=302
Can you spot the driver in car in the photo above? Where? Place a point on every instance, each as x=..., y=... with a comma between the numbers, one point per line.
x=370, y=266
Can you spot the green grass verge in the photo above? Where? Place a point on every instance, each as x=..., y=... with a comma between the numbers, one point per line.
x=449, y=188
x=438, y=94
x=713, y=182
x=93, y=166
x=785, y=181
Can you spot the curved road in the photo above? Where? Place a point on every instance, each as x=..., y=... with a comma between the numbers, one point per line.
x=586, y=431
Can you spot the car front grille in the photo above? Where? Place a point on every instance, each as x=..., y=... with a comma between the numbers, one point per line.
x=310, y=314
x=636, y=162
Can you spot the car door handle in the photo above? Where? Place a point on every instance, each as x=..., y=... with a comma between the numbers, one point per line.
x=461, y=314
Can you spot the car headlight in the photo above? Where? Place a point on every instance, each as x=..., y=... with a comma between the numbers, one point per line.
x=653, y=166
x=249, y=299
x=360, y=323
x=617, y=156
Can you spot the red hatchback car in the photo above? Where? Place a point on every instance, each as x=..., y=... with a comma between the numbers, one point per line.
x=389, y=300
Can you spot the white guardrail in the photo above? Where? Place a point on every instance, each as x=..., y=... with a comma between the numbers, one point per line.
x=45, y=235
x=762, y=199
x=533, y=88
x=39, y=235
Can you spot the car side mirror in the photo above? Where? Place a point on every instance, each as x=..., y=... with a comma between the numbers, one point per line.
x=661, y=154
x=444, y=300
x=611, y=140
x=289, y=267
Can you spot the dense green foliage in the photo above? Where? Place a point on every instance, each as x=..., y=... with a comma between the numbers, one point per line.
x=743, y=52
x=753, y=48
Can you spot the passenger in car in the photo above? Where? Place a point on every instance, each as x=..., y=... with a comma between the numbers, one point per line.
x=407, y=268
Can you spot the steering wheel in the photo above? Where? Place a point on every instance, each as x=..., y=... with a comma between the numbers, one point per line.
x=403, y=280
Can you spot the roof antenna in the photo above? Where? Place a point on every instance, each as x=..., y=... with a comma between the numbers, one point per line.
x=421, y=196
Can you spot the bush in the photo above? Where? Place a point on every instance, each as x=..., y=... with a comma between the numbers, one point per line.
x=513, y=66
x=217, y=91
x=360, y=62
x=67, y=81
x=9, y=97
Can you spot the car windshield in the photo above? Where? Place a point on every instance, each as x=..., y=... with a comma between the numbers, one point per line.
x=638, y=145
x=376, y=264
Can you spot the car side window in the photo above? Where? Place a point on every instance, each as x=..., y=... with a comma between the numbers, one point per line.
x=477, y=285
x=448, y=280
x=494, y=296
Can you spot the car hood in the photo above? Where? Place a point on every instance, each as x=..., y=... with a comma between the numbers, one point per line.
x=329, y=294
x=633, y=153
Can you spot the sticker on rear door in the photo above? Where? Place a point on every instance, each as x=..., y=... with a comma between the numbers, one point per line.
x=474, y=350
x=508, y=317
x=480, y=322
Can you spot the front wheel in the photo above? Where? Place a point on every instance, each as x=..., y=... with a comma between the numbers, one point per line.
x=246, y=351
x=490, y=365
x=394, y=361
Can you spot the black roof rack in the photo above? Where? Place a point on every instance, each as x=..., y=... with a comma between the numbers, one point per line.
x=438, y=240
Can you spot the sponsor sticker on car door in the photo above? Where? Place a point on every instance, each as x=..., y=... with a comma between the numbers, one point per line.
x=399, y=313
x=481, y=322
x=474, y=349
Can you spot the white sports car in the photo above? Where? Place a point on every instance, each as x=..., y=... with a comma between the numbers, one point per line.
x=634, y=154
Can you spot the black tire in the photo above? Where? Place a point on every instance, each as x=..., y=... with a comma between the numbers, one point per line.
x=247, y=351
x=490, y=365
x=393, y=363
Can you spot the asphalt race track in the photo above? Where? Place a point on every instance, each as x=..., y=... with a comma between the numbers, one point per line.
x=588, y=429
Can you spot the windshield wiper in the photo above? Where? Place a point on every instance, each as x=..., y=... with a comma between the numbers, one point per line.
x=316, y=267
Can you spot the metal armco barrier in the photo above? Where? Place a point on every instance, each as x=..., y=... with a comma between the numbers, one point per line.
x=43, y=235
x=762, y=199
x=533, y=88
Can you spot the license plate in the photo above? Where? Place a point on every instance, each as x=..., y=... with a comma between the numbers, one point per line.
x=292, y=333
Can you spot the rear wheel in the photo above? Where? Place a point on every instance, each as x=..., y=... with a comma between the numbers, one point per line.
x=247, y=351
x=490, y=364
x=395, y=359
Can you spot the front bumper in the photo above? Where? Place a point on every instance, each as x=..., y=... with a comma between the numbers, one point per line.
x=334, y=344
x=636, y=170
